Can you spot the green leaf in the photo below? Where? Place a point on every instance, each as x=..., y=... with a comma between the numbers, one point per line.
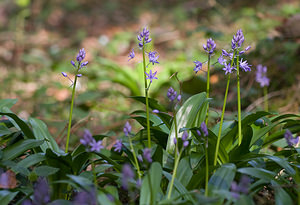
x=19, y=148
x=258, y=173
x=7, y=196
x=153, y=104
x=7, y=103
x=222, y=178
x=151, y=185
x=45, y=171
x=41, y=132
x=184, y=171
x=281, y=196
x=32, y=160
x=283, y=163
x=83, y=182
x=187, y=117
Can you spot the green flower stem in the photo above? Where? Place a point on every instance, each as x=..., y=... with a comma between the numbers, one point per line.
x=135, y=159
x=266, y=105
x=207, y=87
x=176, y=133
x=94, y=174
x=147, y=103
x=71, y=112
x=222, y=116
x=174, y=174
x=239, y=101
x=207, y=169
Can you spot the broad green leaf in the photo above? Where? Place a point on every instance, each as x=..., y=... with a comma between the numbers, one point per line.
x=19, y=148
x=7, y=196
x=41, y=132
x=7, y=103
x=186, y=117
x=184, y=172
x=283, y=163
x=83, y=182
x=279, y=135
x=258, y=173
x=4, y=130
x=45, y=171
x=20, y=123
x=151, y=185
x=222, y=178
x=281, y=196
x=32, y=160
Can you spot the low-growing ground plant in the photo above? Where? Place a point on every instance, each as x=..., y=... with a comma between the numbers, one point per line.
x=176, y=156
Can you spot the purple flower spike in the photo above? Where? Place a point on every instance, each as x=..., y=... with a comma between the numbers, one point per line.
x=261, y=76
x=96, y=146
x=143, y=37
x=131, y=55
x=127, y=174
x=80, y=55
x=127, y=128
x=185, y=143
x=185, y=135
x=204, y=129
x=241, y=188
x=245, y=66
x=290, y=140
x=151, y=76
x=228, y=68
x=64, y=74
x=237, y=39
x=118, y=146
x=86, y=197
x=147, y=155
x=171, y=94
x=87, y=138
x=41, y=193
x=210, y=46
x=198, y=66
x=152, y=58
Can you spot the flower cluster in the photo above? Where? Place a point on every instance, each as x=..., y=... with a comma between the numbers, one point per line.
x=41, y=194
x=127, y=129
x=210, y=46
x=147, y=155
x=203, y=129
x=143, y=37
x=88, y=141
x=151, y=76
x=86, y=197
x=172, y=95
x=198, y=66
x=127, y=175
x=118, y=146
x=241, y=188
x=290, y=140
x=184, y=139
x=261, y=76
x=79, y=58
x=236, y=43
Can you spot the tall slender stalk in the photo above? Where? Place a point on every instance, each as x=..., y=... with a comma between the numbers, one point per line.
x=239, y=101
x=222, y=116
x=174, y=174
x=135, y=159
x=207, y=87
x=266, y=104
x=147, y=103
x=71, y=112
x=206, y=168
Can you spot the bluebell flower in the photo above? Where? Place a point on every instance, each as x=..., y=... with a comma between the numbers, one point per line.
x=41, y=193
x=237, y=39
x=185, y=135
x=241, y=188
x=127, y=174
x=171, y=94
x=147, y=155
x=198, y=66
x=86, y=198
x=131, y=55
x=81, y=55
x=151, y=76
x=210, y=46
x=155, y=111
x=179, y=98
x=127, y=129
x=143, y=37
x=261, y=76
x=204, y=129
x=245, y=66
x=290, y=140
x=96, y=146
x=64, y=74
x=152, y=58
x=118, y=146
x=87, y=138
x=222, y=60
x=227, y=68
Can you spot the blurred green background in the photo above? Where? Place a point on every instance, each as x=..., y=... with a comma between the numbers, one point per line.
x=38, y=39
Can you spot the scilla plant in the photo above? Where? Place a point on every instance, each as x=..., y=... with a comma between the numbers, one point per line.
x=173, y=158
